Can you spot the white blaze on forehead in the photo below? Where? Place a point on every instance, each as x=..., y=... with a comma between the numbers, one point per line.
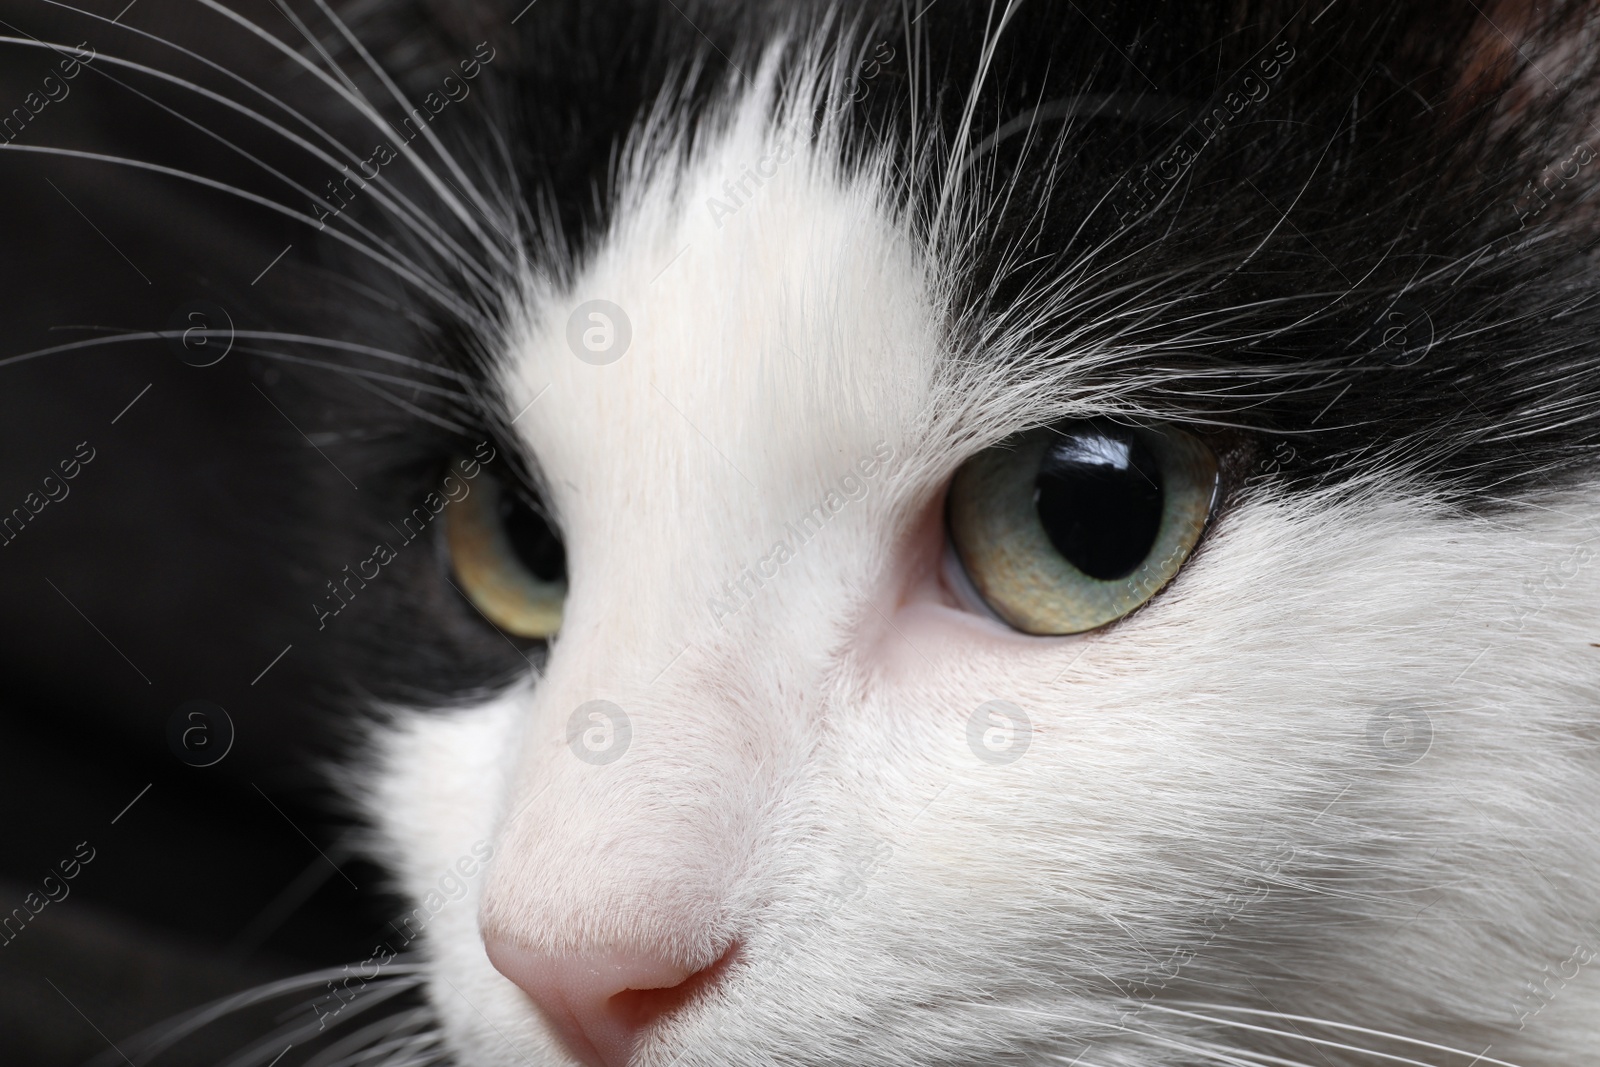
x=767, y=348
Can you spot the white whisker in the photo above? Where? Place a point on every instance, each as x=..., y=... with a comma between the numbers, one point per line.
x=354, y=372
x=394, y=1033
x=305, y=31
x=399, y=97
x=387, y=194
x=157, y=1039
x=950, y=189
x=255, y=335
x=103, y=58
x=1293, y=1035
x=1478, y=1057
x=1234, y=1057
x=444, y=297
x=300, y=1030
x=405, y=405
x=367, y=111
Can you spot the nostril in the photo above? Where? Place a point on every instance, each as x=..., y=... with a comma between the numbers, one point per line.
x=640, y=1007
x=600, y=1005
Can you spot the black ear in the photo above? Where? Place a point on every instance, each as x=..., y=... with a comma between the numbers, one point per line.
x=1540, y=70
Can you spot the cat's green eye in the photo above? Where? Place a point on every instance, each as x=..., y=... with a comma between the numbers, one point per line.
x=1069, y=527
x=509, y=561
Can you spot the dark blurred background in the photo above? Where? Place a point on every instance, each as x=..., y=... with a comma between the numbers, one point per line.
x=132, y=596
x=181, y=562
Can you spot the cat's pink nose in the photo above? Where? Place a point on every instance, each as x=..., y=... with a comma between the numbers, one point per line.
x=599, y=1005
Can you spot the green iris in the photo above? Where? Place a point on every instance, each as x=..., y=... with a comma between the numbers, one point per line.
x=1069, y=527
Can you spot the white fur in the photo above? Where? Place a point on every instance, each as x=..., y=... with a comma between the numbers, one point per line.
x=800, y=778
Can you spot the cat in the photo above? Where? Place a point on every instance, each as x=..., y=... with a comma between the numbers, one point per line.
x=945, y=533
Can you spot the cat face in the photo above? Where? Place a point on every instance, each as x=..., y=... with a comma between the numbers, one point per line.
x=790, y=787
x=1042, y=533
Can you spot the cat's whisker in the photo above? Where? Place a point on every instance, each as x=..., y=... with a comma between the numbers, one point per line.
x=1478, y=1056
x=1233, y=1056
x=316, y=44
x=1071, y=285
x=394, y=90
x=412, y=409
x=419, y=1050
x=157, y=1039
x=467, y=399
x=1212, y=326
x=398, y=1034
x=299, y=1030
x=442, y=296
x=368, y=112
x=1033, y=228
x=358, y=373
x=1295, y=1035
x=1214, y=1053
x=351, y=346
x=514, y=208
x=1073, y=272
x=254, y=335
x=268, y=168
x=420, y=322
x=437, y=1056
x=388, y=196
x=1077, y=291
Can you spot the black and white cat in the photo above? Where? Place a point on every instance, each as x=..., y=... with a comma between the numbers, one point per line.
x=1019, y=532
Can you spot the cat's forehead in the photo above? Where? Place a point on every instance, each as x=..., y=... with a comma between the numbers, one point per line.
x=753, y=323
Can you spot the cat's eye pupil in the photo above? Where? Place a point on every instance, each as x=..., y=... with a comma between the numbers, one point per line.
x=1099, y=498
x=532, y=539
